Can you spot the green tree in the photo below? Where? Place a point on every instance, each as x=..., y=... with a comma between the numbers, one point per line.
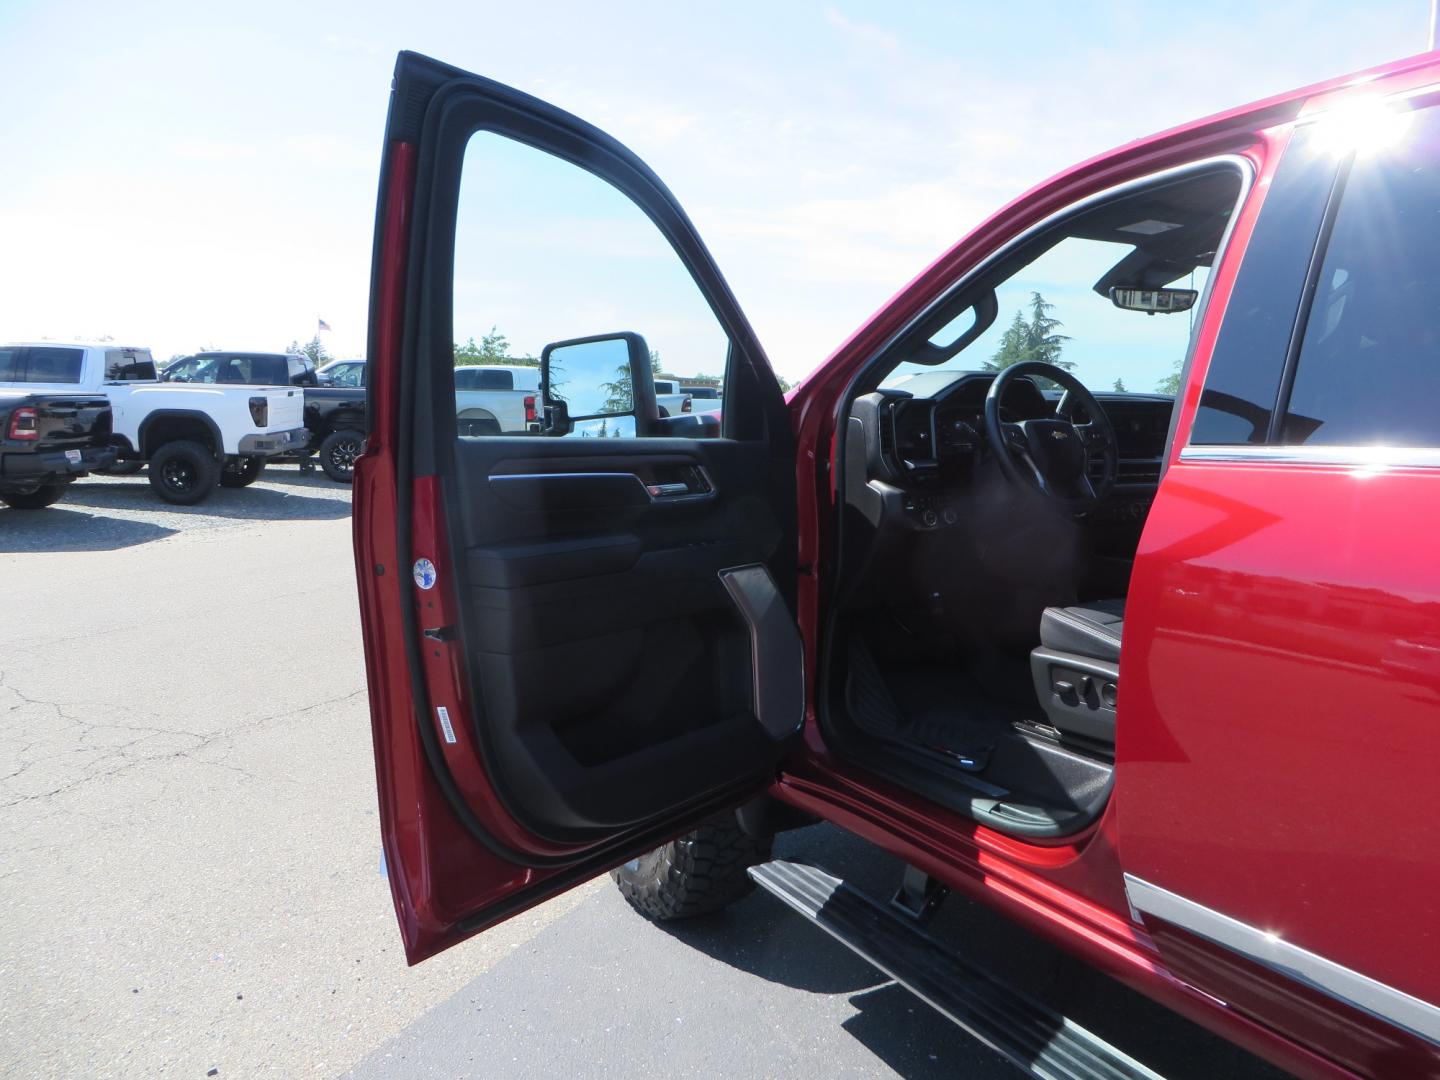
x=1120, y=386
x=1170, y=384
x=493, y=348
x=620, y=392
x=314, y=349
x=1035, y=338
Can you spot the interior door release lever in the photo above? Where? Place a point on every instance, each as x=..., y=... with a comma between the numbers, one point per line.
x=665, y=491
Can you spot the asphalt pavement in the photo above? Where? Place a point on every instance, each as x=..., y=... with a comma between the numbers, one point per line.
x=191, y=870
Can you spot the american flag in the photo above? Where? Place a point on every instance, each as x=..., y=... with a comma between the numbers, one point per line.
x=323, y=325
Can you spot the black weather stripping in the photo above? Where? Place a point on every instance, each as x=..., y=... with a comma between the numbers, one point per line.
x=1015, y=1025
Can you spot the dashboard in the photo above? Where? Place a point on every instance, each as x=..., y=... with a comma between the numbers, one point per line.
x=926, y=436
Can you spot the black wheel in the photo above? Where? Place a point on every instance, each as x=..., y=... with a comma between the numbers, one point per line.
x=183, y=472
x=38, y=499
x=699, y=872
x=238, y=472
x=124, y=468
x=338, y=453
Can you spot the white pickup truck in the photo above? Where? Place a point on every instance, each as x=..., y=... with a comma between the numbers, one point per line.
x=671, y=399
x=493, y=399
x=193, y=436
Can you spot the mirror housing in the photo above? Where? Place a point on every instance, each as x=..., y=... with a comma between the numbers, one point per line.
x=630, y=382
x=1153, y=301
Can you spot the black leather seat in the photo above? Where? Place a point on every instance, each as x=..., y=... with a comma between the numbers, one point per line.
x=1091, y=629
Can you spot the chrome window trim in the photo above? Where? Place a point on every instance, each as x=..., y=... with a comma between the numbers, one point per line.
x=1425, y=457
x=1412, y=1014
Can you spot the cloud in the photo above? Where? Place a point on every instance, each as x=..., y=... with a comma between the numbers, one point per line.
x=865, y=35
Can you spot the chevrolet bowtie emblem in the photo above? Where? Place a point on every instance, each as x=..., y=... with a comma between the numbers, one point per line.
x=1057, y=434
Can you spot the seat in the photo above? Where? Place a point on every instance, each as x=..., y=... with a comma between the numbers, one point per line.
x=1076, y=669
x=1085, y=629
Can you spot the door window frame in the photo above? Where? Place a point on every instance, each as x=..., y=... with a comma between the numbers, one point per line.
x=453, y=120
x=921, y=326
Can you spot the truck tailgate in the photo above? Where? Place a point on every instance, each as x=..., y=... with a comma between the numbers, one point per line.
x=71, y=419
x=287, y=407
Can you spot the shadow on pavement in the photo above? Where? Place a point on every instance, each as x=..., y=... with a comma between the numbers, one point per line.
x=763, y=937
x=110, y=514
x=61, y=529
x=293, y=477
x=257, y=503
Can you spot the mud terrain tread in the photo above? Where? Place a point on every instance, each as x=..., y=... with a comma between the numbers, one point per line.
x=700, y=872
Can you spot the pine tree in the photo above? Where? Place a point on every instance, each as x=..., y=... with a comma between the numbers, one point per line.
x=1035, y=338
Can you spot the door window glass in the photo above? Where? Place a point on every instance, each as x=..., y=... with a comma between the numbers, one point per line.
x=545, y=254
x=1369, y=365
x=351, y=375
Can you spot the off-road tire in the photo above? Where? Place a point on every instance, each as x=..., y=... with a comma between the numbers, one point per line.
x=241, y=472
x=338, y=453
x=700, y=872
x=38, y=499
x=184, y=456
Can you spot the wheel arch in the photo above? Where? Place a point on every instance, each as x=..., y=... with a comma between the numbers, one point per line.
x=168, y=425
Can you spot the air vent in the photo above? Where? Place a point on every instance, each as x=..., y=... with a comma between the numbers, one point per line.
x=1141, y=471
x=887, y=431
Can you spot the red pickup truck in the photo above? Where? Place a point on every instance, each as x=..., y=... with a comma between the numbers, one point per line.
x=902, y=599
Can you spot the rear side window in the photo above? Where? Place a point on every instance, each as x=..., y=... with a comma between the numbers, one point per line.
x=1369, y=365
x=40, y=364
x=1243, y=380
x=494, y=380
x=129, y=365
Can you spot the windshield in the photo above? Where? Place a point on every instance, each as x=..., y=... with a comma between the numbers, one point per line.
x=1053, y=301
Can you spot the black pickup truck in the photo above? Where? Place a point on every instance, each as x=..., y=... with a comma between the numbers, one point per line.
x=335, y=416
x=48, y=440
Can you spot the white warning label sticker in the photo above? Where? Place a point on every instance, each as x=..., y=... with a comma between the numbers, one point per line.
x=443, y=715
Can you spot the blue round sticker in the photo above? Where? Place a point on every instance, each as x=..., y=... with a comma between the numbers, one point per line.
x=424, y=573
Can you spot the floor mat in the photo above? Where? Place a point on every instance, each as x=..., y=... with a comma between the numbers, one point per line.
x=937, y=708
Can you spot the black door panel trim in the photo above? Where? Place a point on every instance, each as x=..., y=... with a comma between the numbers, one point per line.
x=777, y=653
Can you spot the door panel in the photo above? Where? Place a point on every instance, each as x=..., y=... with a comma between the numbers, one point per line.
x=1277, y=809
x=601, y=634
x=559, y=632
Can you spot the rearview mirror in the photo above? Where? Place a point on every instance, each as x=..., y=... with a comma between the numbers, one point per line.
x=599, y=386
x=1154, y=301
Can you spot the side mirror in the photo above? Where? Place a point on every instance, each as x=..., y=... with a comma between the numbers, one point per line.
x=598, y=386
x=1154, y=301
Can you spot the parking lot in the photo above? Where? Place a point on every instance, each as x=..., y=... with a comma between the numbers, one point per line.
x=192, y=872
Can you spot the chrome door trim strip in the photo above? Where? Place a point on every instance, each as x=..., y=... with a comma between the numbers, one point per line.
x=1365, y=457
x=1396, y=1007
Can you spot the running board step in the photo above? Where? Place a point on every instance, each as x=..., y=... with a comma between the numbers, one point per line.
x=1015, y=1025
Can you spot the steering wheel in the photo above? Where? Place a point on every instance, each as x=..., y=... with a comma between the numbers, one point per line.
x=1052, y=455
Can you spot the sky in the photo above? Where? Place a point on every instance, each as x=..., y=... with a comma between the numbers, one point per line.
x=183, y=175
